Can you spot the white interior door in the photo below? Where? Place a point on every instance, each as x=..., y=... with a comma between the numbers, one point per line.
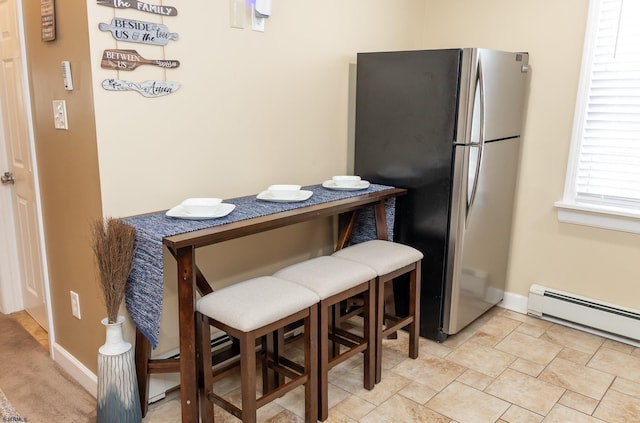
x=25, y=237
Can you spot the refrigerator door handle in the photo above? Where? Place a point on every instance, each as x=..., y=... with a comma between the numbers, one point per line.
x=481, y=137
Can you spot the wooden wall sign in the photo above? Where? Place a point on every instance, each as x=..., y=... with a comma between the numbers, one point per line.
x=48, y=20
x=146, y=88
x=139, y=31
x=138, y=5
x=128, y=60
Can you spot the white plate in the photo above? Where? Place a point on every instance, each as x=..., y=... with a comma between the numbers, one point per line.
x=299, y=196
x=220, y=211
x=330, y=184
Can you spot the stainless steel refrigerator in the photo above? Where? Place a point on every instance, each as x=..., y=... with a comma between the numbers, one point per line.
x=445, y=124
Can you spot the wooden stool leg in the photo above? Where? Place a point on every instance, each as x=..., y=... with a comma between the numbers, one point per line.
x=311, y=366
x=268, y=351
x=323, y=362
x=205, y=374
x=273, y=347
x=389, y=304
x=335, y=322
x=279, y=341
x=248, y=377
x=369, y=334
x=379, y=312
x=414, y=310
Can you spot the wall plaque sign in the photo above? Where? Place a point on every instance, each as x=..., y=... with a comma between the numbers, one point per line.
x=146, y=88
x=138, y=5
x=128, y=60
x=139, y=31
x=48, y=20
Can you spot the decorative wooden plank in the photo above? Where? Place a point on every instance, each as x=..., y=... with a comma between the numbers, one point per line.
x=48, y=20
x=139, y=31
x=138, y=5
x=128, y=60
x=146, y=88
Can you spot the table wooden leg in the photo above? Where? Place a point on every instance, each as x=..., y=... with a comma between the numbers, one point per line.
x=142, y=354
x=383, y=233
x=201, y=282
x=187, y=322
x=346, y=224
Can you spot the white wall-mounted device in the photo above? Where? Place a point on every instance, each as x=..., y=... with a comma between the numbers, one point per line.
x=260, y=10
x=263, y=8
x=66, y=75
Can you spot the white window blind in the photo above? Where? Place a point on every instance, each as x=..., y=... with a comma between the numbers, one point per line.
x=608, y=165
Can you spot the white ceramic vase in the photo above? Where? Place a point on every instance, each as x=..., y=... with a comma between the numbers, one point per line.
x=118, y=399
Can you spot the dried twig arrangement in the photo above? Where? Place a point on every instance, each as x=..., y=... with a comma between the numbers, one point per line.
x=113, y=245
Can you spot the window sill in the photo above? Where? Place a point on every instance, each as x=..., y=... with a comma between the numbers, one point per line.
x=599, y=216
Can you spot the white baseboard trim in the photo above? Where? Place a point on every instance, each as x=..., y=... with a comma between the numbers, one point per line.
x=76, y=369
x=158, y=384
x=514, y=302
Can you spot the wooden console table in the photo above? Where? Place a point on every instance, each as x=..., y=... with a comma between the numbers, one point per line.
x=183, y=247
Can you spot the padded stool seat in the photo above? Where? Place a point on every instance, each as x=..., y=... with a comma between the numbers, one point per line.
x=335, y=280
x=383, y=256
x=326, y=276
x=254, y=303
x=252, y=310
x=390, y=260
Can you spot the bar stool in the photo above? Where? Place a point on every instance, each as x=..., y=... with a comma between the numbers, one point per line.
x=390, y=260
x=248, y=311
x=335, y=280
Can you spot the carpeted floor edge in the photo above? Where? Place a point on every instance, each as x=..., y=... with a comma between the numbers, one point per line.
x=37, y=387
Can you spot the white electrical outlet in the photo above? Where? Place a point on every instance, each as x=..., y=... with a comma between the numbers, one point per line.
x=257, y=23
x=75, y=304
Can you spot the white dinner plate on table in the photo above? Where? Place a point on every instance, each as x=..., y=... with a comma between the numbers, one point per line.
x=220, y=211
x=357, y=185
x=293, y=196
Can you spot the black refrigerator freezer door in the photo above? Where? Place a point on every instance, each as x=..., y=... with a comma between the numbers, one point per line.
x=406, y=105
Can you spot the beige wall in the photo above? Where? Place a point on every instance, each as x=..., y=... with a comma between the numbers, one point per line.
x=597, y=263
x=254, y=108
x=68, y=174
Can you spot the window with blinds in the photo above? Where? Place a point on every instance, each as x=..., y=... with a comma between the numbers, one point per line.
x=607, y=127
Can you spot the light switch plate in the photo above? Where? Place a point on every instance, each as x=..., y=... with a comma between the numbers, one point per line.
x=236, y=14
x=75, y=305
x=60, y=114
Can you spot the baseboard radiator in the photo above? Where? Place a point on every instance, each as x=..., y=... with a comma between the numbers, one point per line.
x=582, y=311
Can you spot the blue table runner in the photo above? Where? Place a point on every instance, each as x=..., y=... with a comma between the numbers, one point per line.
x=143, y=297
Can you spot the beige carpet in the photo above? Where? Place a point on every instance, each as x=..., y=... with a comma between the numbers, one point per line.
x=34, y=385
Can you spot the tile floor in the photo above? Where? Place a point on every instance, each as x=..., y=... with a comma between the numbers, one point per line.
x=505, y=367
